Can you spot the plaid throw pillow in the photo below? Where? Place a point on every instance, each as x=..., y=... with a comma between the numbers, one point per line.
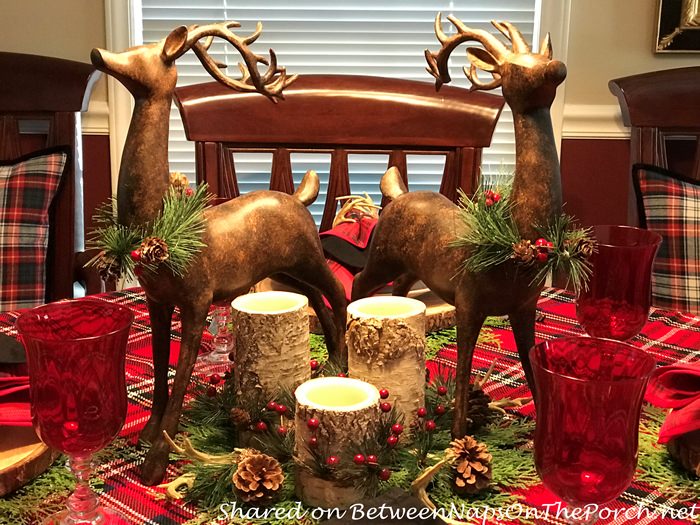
x=669, y=204
x=27, y=187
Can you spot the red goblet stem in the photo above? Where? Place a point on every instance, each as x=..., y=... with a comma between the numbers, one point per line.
x=83, y=504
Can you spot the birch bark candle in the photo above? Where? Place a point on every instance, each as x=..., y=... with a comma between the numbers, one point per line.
x=386, y=347
x=340, y=413
x=272, y=342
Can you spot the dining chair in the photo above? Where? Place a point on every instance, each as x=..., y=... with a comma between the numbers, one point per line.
x=339, y=115
x=41, y=99
x=662, y=108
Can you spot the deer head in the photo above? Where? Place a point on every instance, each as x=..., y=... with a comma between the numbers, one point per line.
x=529, y=80
x=149, y=70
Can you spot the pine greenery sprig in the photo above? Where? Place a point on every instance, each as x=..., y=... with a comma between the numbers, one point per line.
x=491, y=237
x=113, y=239
x=181, y=225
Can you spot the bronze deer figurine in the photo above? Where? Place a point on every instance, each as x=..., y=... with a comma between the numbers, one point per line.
x=412, y=238
x=247, y=239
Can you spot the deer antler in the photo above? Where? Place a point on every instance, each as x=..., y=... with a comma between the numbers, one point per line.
x=271, y=83
x=437, y=61
x=489, y=59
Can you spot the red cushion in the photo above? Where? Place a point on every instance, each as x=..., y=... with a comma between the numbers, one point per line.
x=27, y=187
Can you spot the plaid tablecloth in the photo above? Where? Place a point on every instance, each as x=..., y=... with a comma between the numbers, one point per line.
x=670, y=338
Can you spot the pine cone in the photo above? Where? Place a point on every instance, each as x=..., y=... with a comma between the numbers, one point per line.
x=524, y=251
x=686, y=450
x=108, y=267
x=154, y=250
x=479, y=411
x=585, y=247
x=239, y=417
x=258, y=478
x=471, y=466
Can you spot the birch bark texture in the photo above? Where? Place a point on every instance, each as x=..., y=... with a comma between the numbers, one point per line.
x=386, y=347
x=347, y=415
x=272, y=351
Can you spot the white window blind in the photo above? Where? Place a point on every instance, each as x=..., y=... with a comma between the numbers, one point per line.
x=369, y=37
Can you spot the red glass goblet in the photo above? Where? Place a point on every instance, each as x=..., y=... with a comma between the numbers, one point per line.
x=76, y=353
x=616, y=303
x=589, y=401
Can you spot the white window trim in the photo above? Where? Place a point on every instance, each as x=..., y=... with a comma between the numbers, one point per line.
x=123, y=30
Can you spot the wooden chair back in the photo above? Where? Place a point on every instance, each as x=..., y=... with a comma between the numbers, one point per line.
x=339, y=114
x=40, y=103
x=662, y=108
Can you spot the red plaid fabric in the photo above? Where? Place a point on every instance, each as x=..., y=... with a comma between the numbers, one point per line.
x=676, y=387
x=27, y=187
x=669, y=204
x=669, y=337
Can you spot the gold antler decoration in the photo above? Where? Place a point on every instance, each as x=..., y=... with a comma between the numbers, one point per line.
x=354, y=208
x=271, y=83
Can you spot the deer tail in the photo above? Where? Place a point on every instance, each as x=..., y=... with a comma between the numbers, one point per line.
x=392, y=184
x=308, y=188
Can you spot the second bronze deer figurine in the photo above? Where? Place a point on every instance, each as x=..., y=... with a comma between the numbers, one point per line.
x=412, y=238
x=247, y=239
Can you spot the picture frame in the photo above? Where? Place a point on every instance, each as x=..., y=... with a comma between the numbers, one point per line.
x=678, y=26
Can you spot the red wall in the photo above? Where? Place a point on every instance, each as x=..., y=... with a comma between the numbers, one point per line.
x=597, y=180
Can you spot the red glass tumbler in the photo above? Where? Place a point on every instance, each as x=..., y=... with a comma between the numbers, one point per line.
x=589, y=401
x=616, y=303
x=76, y=354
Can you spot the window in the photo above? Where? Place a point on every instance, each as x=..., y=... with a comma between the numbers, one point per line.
x=372, y=37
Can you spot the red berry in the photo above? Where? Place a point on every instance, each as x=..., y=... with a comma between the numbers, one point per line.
x=489, y=203
x=281, y=409
x=541, y=242
x=442, y=390
x=136, y=255
x=332, y=461
x=430, y=425
x=372, y=459
x=313, y=423
x=397, y=429
x=386, y=407
x=422, y=412
x=392, y=441
x=542, y=257
x=342, y=374
x=384, y=474
x=359, y=459
x=189, y=192
x=383, y=393
x=282, y=431
x=488, y=194
x=272, y=406
x=313, y=442
x=440, y=410
x=211, y=391
x=314, y=364
x=261, y=426
x=214, y=379
x=496, y=197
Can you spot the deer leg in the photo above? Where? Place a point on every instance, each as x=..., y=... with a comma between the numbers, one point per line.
x=523, y=324
x=161, y=318
x=403, y=284
x=316, y=274
x=469, y=322
x=375, y=275
x=156, y=462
